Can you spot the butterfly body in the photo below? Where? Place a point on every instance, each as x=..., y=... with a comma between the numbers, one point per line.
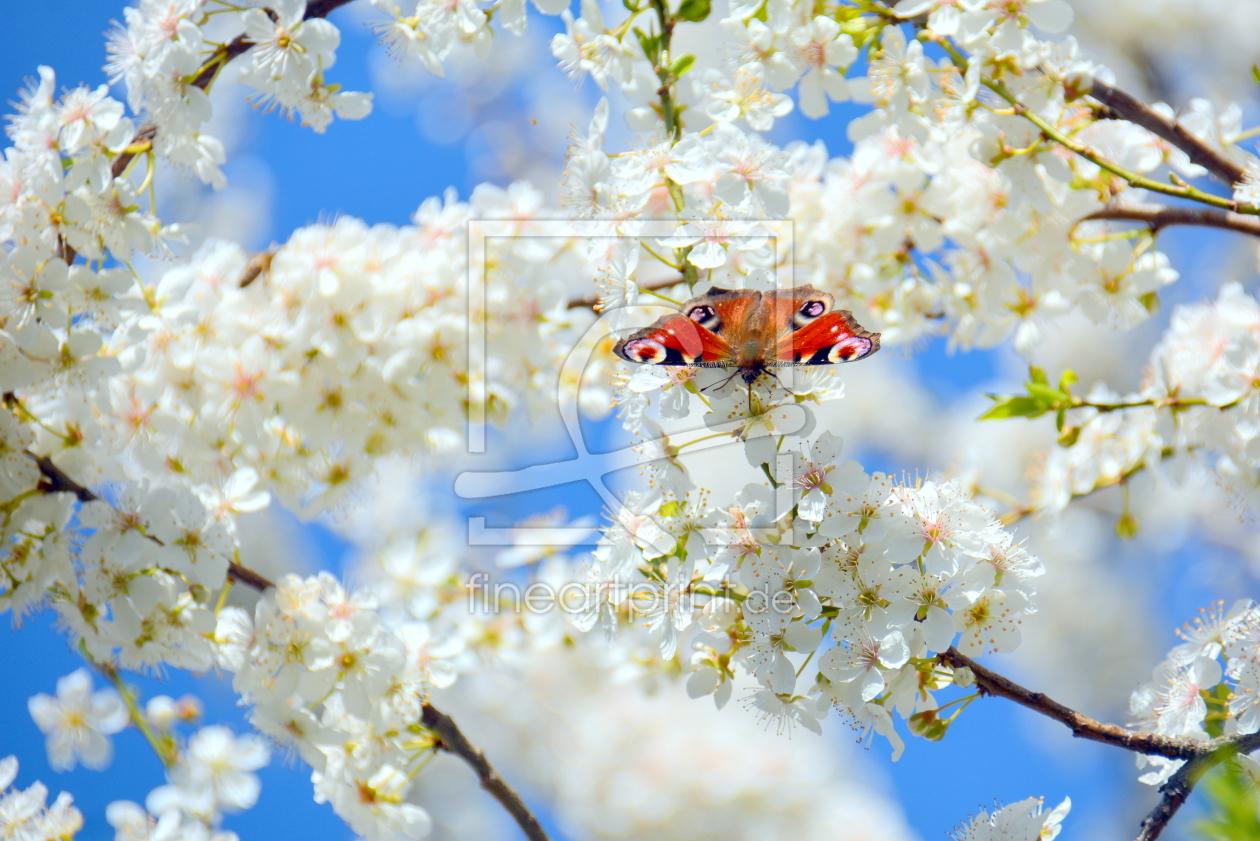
x=752, y=332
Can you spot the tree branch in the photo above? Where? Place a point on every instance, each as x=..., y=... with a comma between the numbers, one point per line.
x=453, y=740
x=1121, y=105
x=1082, y=727
x=450, y=737
x=147, y=132
x=56, y=481
x=1162, y=216
x=1200, y=756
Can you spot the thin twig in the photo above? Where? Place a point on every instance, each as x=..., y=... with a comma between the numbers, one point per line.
x=1082, y=727
x=1120, y=104
x=1162, y=216
x=453, y=740
x=450, y=737
x=1052, y=132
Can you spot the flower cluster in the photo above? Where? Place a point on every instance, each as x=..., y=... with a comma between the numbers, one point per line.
x=352, y=345
x=211, y=775
x=26, y=813
x=866, y=578
x=1200, y=402
x=1016, y=822
x=1207, y=686
x=330, y=681
x=429, y=30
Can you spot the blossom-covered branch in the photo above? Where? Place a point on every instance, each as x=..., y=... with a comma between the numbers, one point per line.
x=1179, y=189
x=1120, y=104
x=450, y=737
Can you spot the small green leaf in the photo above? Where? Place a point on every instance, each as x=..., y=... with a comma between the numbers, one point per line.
x=1016, y=407
x=1050, y=396
x=1059, y=417
x=630, y=5
x=694, y=10
x=1068, y=380
x=1151, y=301
x=650, y=44
x=1037, y=375
x=1068, y=438
x=1255, y=73
x=682, y=65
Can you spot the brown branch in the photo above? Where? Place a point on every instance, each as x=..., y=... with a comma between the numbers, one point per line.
x=1162, y=216
x=1118, y=104
x=1200, y=756
x=1177, y=790
x=1082, y=727
x=450, y=737
x=591, y=302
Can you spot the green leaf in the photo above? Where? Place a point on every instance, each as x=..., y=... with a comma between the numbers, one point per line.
x=1068, y=439
x=1059, y=417
x=1051, y=396
x=1016, y=407
x=682, y=65
x=694, y=10
x=1255, y=73
x=1231, y=806
x=630, y=5
x=1151, y=301
x=650, y=44
x=1037, y=375
x=1068, y=380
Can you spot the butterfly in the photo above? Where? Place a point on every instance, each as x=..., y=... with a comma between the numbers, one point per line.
x=752, y=332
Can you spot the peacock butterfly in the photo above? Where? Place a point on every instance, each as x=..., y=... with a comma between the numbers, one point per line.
x=752, y=332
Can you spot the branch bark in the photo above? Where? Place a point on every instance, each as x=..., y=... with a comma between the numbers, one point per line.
x=450, y=737
x=1200, y=757
x=1126, y=107
x=1082, y=726
x=1163, y=216
x=453, y=740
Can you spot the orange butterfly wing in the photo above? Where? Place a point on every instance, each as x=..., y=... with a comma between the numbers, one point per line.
x=829, y=339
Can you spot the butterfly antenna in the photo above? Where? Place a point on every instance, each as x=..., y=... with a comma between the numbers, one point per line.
x=719, y=385
x=781, y=383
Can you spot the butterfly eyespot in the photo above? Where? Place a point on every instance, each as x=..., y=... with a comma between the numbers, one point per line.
x=645, y=350
x=850, y=350
x=807, y=312
x=706, y=316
